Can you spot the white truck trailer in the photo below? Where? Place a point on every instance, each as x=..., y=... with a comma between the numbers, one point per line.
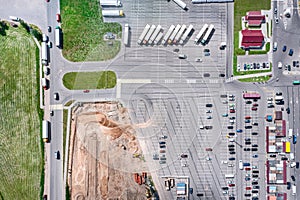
x=200, y=34
x=180, y=4
x=186, y=34
x=58, y=37
x=142, y=36
x=112, y=13
x=207, y=34
x=179, y=34
x=155, y=34
x=126, y=34
x=45, y=131
x=148, y=35
x=109, y=3
x=177, y=28
x=171, y=29
x=44, y=53
x=158, y=38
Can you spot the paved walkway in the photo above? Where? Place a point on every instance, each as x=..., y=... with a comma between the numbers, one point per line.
x=248, y=76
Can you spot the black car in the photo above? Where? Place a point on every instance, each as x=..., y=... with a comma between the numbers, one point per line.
x=209, y=105
x=221, y=75
x=288, y=110
x=231, y=198
x=248, y=102
x=273, y=156
x=254, y=175
x=254, y=133
x=254, y=183
x=278, y=93
x=200, y=195
x=256, y=187
x=247, y=195
x=247, y=149
x=293, y=178
x=231, y=149
x=288, y=185
x=254, y=149
x=231, y=134
x=230, y=145
x=184, y=155
x=297, y=165
x=247, y=139
x=232, y=158
x=225, y=188
x=284, y=158
x=231, y=152
x=255, y=124
x=49, y=29
x=230, y=127
x=254, y=191
x=255, y=171
x=208, y=127
x=247, y=143
x=231, y=117
x=254, y=145
x=248, y=127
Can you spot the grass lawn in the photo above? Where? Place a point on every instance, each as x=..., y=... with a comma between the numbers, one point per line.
x=21, y=146
x=256, y=79
x=240, y=9
x=83, y=30
x=89, y=80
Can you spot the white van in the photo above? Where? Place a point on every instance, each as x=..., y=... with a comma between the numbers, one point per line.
x=241, y=165
x=274, y=46
x=294, y=189
x=279, y=65
x=290, y=133
x=292, y=157
x=14, y=18
x=44, y=38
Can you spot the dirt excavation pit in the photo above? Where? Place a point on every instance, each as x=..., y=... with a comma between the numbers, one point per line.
x=104, y=154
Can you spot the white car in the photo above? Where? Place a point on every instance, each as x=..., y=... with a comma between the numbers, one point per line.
x=224, y=161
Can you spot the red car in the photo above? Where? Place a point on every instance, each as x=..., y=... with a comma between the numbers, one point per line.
x=255, y=104
x=248, y=188
x=247, y=117
x=86, y=91
x=247, y=168
x=231, y=185
x=232, y=111
x=254, y=108
x=58, y=17
x=208, y=149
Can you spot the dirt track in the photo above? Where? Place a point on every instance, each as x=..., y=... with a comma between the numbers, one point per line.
x=102, y=149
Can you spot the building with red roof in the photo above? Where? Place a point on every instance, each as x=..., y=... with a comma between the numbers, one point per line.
x=252, y=39
x=255, y=18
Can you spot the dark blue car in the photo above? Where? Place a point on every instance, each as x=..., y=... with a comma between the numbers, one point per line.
x=294, y=139
x=291, y=52
x=284, y=48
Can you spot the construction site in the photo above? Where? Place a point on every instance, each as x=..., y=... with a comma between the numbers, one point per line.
x=105, y=157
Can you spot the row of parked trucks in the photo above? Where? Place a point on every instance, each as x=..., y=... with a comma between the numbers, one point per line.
x=175, y=34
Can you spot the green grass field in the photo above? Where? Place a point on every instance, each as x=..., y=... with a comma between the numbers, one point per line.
x=21, y=154
x=89, y=80
x=84, y=29
x=241, y=7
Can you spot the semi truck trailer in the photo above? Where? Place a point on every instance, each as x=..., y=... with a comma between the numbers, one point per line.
x=166, y=37
x=112, y=13
x=126, y=35
x=177, y=28
x=186, y=34
x=158, y=38
x=108, y=3
x=58, y=37
x=45, y=131
x=142, y=36
x=44, y=53
x=154, y=35
x=207, y=34
x=201, y=33
x=180, y=4
x=179, y=34
x=148, y=35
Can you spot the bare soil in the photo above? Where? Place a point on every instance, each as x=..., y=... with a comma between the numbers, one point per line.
x=104, y=154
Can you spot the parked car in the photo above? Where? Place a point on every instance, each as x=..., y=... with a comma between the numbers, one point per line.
x=247, y=117
x=254, y=149
x=284, y=48
x=288, y=184
x=254, y=145
x=254, y=108
x=232, y=158
x=247, y=121
x=58, y=19
x=254, y=133
x=291, y=52
x=247, y=149
x=248, y=188
x=255, y=156
x=57, y=155
x=254, y=183
x=248, y=102
x=239, y=130
x=49, y=29
x=293, y=178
